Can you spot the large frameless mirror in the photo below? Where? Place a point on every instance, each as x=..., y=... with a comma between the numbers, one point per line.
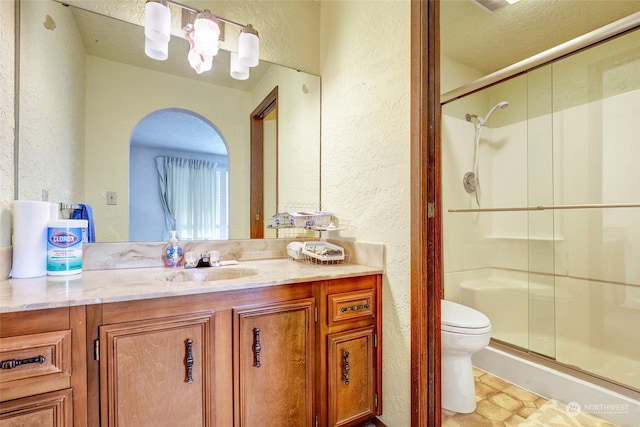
x=91, y=102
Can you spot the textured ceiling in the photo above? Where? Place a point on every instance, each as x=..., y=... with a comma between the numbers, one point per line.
x=489, y=41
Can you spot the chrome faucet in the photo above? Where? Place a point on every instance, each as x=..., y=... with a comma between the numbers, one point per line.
x=207, y=261
x=203, y=261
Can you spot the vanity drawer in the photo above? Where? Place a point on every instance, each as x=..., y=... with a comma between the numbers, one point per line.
x=35, y=363
x=348, y=306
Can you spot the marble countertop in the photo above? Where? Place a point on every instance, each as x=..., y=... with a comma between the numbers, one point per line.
x=105, y=286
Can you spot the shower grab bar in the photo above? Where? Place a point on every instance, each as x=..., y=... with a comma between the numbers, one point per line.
x=552, y=207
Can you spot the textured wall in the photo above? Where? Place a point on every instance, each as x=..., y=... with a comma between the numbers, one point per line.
x=51, y=141
x=366, y=155
x=298, y=135
x=7, y=119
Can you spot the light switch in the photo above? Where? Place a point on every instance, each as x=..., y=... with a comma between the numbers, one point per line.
x=112, y=198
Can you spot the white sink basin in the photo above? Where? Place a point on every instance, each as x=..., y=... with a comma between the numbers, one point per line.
x=207, y=274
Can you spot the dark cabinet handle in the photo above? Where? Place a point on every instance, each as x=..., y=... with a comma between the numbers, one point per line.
x=10, y=364
x=354, y=307
x=256, y=347
x=346, y=368
x=188, y=361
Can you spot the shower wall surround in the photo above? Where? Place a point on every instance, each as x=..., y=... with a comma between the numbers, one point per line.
x=551, y=255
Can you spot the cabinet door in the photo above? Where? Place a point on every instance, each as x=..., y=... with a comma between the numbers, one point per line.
x=274, y=364
x=44, y=410
x=157, y=372
x=351, y=376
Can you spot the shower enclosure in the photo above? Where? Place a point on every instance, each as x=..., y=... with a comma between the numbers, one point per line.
x=551, y=254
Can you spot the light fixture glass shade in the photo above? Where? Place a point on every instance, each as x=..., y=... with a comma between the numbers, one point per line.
x=206, y=34
x=156, y=50
x=249, y=47
x=237, y=70
x=157, y=21
x=199, y=62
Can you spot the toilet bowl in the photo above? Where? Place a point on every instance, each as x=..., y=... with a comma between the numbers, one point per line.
x=464, y=332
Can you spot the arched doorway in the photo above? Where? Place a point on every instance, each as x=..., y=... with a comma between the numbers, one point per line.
x=175, y=133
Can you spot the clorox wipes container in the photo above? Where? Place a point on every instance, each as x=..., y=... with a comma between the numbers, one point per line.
x=64, y=246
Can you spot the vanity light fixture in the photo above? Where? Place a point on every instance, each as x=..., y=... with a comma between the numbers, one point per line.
x=156, y=50
x=492, y=5
x=248, y=47
x=203, y=36
x=238, y=70
x=157, y=29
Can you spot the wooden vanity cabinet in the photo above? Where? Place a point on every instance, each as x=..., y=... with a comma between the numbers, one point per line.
x=157, y=371
x=299, y=355
x=42, y=368
x=350, y=319
x=273, y=358
x=153, y=362
x=189, y=360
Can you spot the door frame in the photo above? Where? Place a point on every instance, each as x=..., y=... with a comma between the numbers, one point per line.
x=426, y=216
x=256, y=197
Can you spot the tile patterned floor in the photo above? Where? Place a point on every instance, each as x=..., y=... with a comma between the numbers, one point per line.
x=502, y=404
x=499, y=404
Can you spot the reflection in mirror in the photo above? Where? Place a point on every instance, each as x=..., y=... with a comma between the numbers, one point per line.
x=186, y=155
x=85, y=84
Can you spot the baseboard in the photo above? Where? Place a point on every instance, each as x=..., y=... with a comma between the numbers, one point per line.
x=372, y=422
x=378, y=423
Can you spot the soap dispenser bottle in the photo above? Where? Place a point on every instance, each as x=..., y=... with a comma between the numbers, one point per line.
x=173, y=251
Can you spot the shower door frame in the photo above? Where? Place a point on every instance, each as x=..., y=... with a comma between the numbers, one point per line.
x=426, y=216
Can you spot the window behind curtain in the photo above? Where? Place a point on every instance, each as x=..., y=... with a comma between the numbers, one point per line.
x=194, y=197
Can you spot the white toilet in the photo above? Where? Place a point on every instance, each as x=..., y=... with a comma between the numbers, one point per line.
x=464, y=332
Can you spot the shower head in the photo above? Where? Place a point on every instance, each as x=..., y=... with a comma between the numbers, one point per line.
x=500, y=105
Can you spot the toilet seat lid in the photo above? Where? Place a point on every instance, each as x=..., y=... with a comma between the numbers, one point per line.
x=458, y=317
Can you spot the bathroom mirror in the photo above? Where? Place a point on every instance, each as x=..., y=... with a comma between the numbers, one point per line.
x=70, y=62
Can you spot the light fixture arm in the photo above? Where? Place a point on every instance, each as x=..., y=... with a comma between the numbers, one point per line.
x=219, y=18
x=204, y=31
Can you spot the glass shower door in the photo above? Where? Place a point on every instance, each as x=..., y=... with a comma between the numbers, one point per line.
x=542, y=236
x=596, y=114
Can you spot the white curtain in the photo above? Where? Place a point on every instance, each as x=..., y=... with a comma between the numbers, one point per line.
x=194, y=197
